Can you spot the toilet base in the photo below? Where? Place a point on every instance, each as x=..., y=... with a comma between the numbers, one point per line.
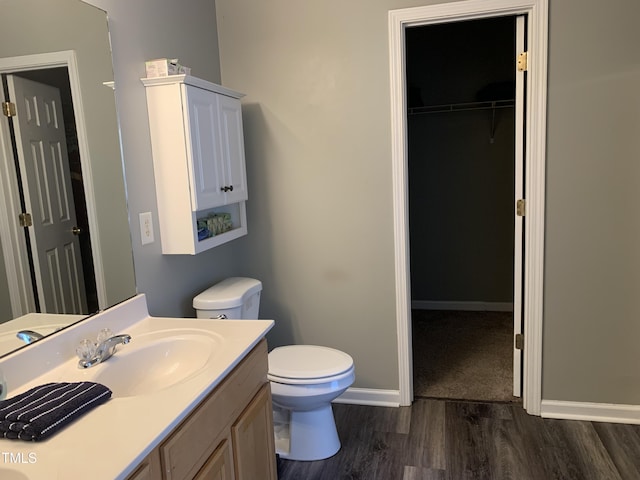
x=312, y=435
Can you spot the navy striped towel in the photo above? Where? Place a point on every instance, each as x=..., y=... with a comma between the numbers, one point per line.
x=41, y=411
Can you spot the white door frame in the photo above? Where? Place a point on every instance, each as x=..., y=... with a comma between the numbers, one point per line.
x=12, y=237
x=535, y=137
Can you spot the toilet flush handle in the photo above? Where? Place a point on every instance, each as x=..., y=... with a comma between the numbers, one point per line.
x=222, y=316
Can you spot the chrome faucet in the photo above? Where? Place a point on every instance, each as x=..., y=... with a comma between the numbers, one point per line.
x=101, y=352
x=29, y=336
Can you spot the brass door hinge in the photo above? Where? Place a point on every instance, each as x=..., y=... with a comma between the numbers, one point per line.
x=519, y=341
x=25, y=220
x=9, y=109
x=522, y=62
x=521, y=207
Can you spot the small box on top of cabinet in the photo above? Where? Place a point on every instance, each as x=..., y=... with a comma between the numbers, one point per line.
x=162, y=67
x=198, y=158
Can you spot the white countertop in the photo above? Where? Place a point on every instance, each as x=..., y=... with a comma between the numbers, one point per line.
x=110, y=441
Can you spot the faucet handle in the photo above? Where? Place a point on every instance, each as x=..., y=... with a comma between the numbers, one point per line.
x=105, y=334
x=86, y=349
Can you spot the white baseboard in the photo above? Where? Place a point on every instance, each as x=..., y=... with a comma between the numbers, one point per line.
x=467, y=306
x=371, y=397
x=593, y=412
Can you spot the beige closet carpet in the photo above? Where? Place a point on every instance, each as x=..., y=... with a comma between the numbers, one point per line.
x=463, y=355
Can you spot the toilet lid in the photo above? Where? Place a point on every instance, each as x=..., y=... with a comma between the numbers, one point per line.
x=308, y=361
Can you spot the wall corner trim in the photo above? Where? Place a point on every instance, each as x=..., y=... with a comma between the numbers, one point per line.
x=593, y=412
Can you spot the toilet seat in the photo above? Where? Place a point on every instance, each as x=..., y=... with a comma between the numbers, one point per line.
x=308, y=364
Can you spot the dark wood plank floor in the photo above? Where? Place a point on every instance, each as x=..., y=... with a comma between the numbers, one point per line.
x=437, y=439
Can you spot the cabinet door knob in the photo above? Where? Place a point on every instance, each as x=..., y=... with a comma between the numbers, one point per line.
x=227, y=188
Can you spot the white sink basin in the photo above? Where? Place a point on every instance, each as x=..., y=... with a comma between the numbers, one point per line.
x=155, y=361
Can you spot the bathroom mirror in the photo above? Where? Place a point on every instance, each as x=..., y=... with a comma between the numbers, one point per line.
x=59, y=46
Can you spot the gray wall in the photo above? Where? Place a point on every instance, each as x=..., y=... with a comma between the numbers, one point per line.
x=140, y=31
x=317, y=136
x=592, y=257
x=318, y=148
x=319, y=166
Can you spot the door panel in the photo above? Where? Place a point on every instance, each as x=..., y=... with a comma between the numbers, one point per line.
x=203, y=138
x=233, y=155
x=48, y=196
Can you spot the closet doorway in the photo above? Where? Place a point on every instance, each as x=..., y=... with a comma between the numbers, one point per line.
x=461, y=169
x=464, y=174
x=533, y=129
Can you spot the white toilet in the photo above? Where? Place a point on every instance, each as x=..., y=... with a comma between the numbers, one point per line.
x=304, y=379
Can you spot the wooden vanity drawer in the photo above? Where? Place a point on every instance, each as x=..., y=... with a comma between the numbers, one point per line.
x=189, y=447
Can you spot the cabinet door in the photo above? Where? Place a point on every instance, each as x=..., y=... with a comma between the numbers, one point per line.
x=253, y=443
x=219, y=466
x=233, y=163
x=204, y=149
x=149, y=468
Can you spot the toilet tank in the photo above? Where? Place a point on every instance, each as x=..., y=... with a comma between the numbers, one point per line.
x=235, y=297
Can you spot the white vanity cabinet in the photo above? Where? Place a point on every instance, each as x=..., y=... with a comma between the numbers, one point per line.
x=198, y=158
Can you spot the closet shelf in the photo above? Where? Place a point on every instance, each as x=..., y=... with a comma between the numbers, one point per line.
x=459, y=107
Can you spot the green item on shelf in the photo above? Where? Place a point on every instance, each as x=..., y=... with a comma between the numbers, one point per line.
x=214, y=224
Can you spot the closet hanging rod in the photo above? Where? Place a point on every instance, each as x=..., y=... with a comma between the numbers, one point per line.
x=459, y=107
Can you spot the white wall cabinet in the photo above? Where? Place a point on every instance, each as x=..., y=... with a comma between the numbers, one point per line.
x=198, y=158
